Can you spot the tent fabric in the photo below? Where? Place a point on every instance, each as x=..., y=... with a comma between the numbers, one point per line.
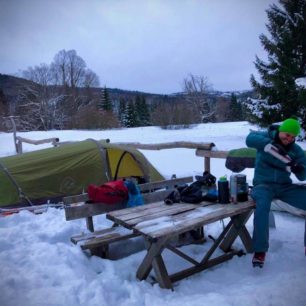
x=51, y=174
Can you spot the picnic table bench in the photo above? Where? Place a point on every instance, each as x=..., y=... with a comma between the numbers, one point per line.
x=98, y=241
x=159, y=224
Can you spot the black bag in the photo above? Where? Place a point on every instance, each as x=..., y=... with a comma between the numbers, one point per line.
x=173, y=197
x=207, y=179
x=195, y=193
x=192, y=193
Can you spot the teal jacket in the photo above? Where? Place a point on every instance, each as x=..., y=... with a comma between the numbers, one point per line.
x=268, y=169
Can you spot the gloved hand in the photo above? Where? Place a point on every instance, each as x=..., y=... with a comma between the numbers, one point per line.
x=281, y=149
x=295, y=167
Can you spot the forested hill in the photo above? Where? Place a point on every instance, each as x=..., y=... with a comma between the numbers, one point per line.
x=44, y=107
x=11, y=86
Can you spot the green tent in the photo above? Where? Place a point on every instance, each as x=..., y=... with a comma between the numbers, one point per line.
x=51, y=174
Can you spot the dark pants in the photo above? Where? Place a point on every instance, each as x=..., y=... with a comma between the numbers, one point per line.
x=263, y=195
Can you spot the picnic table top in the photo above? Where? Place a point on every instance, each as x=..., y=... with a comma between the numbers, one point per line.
x=158, y=219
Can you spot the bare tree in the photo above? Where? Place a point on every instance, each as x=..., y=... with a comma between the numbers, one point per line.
x=67, y=69
x=41, y=74
x=59, y=95
x=70, y=70
x=59, y=68
x=39, y=109
x=76, y=69
x=196, y=89
x=90, y=79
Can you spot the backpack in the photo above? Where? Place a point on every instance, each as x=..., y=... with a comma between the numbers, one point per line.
x=200, y=190
x=192, y=193
x=109, y=193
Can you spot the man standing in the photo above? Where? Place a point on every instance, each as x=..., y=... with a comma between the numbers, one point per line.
x=277, y=156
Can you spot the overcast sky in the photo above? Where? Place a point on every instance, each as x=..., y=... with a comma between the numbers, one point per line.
x=145, y=45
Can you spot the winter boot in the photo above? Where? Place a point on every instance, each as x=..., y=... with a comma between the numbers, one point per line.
x=258, y=259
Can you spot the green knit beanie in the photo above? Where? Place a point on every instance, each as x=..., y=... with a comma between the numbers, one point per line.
x=290, y=126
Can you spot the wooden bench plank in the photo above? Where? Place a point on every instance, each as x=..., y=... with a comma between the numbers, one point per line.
x=135, y=215
x=165, y=184
x=179, y=224
x=122, y=212
x=184, y=207
x=148, y=209
x=76, y=198
x=107, y=238
x=99, y=233
x=155, y=211
x=89, y=210
x=131, y=220
x=156, y=196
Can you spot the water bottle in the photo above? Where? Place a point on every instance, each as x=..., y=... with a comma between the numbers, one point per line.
x=223, y=190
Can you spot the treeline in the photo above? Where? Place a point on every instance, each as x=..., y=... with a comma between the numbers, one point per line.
x=65, y=95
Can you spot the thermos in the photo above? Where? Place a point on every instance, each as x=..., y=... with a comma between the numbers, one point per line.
x=238, y=188
x=223, y=190
x=233, y=188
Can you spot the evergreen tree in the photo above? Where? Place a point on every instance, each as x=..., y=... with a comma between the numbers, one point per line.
x=235, y=109
x=142, y=111
x=105, y=103
x=286, y=50
x=130, y=115
x=121, y=111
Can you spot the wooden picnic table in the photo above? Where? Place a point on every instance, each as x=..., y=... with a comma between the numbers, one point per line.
x=159, y=224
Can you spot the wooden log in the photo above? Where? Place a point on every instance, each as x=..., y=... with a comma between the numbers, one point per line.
x=168, y=145
x=37, y=142
x=211, y=154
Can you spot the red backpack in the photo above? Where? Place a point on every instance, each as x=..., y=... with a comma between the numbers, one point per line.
x=110, y=193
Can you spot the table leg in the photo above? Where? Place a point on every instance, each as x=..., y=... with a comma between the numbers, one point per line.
x=161, y=272
x=238, y=228
x=153, y=249
x=216, y=243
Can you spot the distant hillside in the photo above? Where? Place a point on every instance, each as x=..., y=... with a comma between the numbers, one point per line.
x=11, y=86
x=24, y=98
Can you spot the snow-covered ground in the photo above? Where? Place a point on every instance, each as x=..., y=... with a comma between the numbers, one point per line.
x=40, y=266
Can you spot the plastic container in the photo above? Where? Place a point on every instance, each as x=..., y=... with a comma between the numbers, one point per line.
x=223, y=190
